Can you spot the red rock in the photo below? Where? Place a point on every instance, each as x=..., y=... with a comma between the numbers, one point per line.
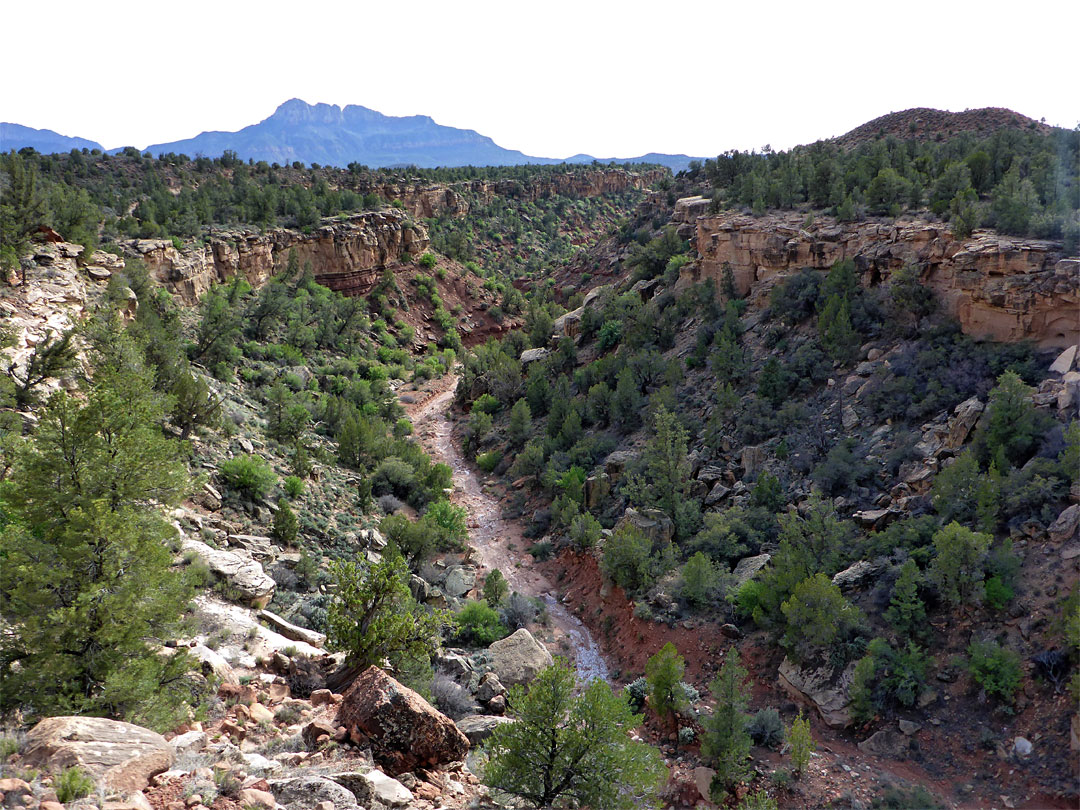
x=403, y=730
x=316, y=730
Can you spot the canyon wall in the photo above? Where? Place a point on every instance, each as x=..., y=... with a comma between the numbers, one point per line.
x=347, y=255
x=1003, y=287
x=581, y=184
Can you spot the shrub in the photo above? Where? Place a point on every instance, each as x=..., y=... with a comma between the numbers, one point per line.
x=636, y=691
x=519, y=611
x=584, y=531
x=995, y=669
x=489, y=461
x=700, y=580
x=453, y=699
x=759, y=800
x=72, y=784
x=478, y=624
x=957, y=568
x=663, y=672
x=428, y=261
x=818, y=617
x=628, y=559
x=486, y=403
x=285, y=525
x=766, y=728
x=294, y=486
x=249, y=475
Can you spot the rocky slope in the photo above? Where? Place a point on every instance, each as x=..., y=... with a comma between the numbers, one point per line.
x=925, y=123
x=1002, y=287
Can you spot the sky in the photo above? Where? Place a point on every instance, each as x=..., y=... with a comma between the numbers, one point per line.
x=551, y=79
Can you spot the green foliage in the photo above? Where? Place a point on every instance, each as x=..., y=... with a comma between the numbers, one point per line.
x=285, y=525
x=496, y=588
x=758, y=800
x=998, y=593
x=488, y=461
x=962, y=493
x=373, y=616
x=249, y=475
x=628, y=559
x=478, y=624
x=21, y=207
x=663, y=673
x=996, y=669
x=71, y=784
x=1009, y=433
x=913, y=798
x=725, y=743
x=428, y=261
x=818, y=617
x=294, y=486
x=450, y=520
x=957, y=569
x=568, y=747
x=50, y=358
x=802, y=743
x=700, y=581
x=520, y=427
x=665, y=475
x=86, y=577
x=906, y=611
x=863, y=681
x=585, y=531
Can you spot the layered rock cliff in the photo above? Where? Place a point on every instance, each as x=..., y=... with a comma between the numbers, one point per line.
x=585, y=183
x=347, y=255
x=997, y=286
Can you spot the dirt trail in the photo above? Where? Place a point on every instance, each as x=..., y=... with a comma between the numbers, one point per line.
x=492, y=536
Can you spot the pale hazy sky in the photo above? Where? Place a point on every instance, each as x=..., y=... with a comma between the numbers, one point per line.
x=549, y=78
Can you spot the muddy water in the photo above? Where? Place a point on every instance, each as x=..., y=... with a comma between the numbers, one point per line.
x=499, y=543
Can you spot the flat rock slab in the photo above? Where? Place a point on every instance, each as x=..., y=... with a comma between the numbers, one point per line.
x=120, y=755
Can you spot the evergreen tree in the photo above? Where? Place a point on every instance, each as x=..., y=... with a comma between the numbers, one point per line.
x=664, y=672
x=802, y=743
x=700, y=579
x=957, y=568
x=572, y=748
x=285, y=525
x=664, y=480
x=726, y=742
x=85, y=578
x=520, y=423
x=906, y=612
x=496, y=587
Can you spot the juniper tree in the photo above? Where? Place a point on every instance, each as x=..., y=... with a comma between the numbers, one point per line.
x=664, y=672
x=726, y=742
x=85, y=560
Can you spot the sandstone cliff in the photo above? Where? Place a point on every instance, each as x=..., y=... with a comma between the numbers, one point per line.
x=1002, y=287
x=346, y=254
x=585, y=183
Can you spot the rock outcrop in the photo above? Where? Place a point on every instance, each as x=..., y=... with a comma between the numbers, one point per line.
x=245, y=576
x=820, y=688
x=581, y=184
x=121, y=756
x=519, y=658
x=997, y=286
x=346, y=254
x=402, y=729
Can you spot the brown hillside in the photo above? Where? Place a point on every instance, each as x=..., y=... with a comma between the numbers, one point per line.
x=924, y=123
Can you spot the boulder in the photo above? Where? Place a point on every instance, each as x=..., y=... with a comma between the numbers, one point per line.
x=886, y=743
x=307, y=792
x=1064, y=528
x=519, y=658
x=402, y=729
x=857, y=575
x=656, y=525
x=717, y=494
x=568, y=324
x=597, y=487
x=290, y=630
x=478, y=727
x=245, y=577
x=820, y=688
x=122, y=756
x=191, y=742
x=752, y=461
x=459, y=580
x=747, y=568
x=15, y=793
x=374, y=786
x=532, y=355
x=490, y=687
x=1064, y=361
x=966, y=415
x=253, y=797
x=315, y=730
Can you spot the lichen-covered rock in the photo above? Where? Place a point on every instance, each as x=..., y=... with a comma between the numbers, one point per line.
x=519, y=658
x=402, y=729
x=374, y=786
x=821, y=688
x=122, y=756
x=244, y=576
x=478, y=727
x=307, y=792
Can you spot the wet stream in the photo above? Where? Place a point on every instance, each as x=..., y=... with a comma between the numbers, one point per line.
x=493, y=537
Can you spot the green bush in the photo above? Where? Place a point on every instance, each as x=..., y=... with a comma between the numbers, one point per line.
x=428, y=261
x=995, y=669
x=478, y=624
x=766, y=728
x=489, y=461
x=249, y=475
x=72, y=784
x=294, y=486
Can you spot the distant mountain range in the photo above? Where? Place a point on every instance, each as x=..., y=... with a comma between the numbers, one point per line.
x=336, y=136
x=16, y=136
